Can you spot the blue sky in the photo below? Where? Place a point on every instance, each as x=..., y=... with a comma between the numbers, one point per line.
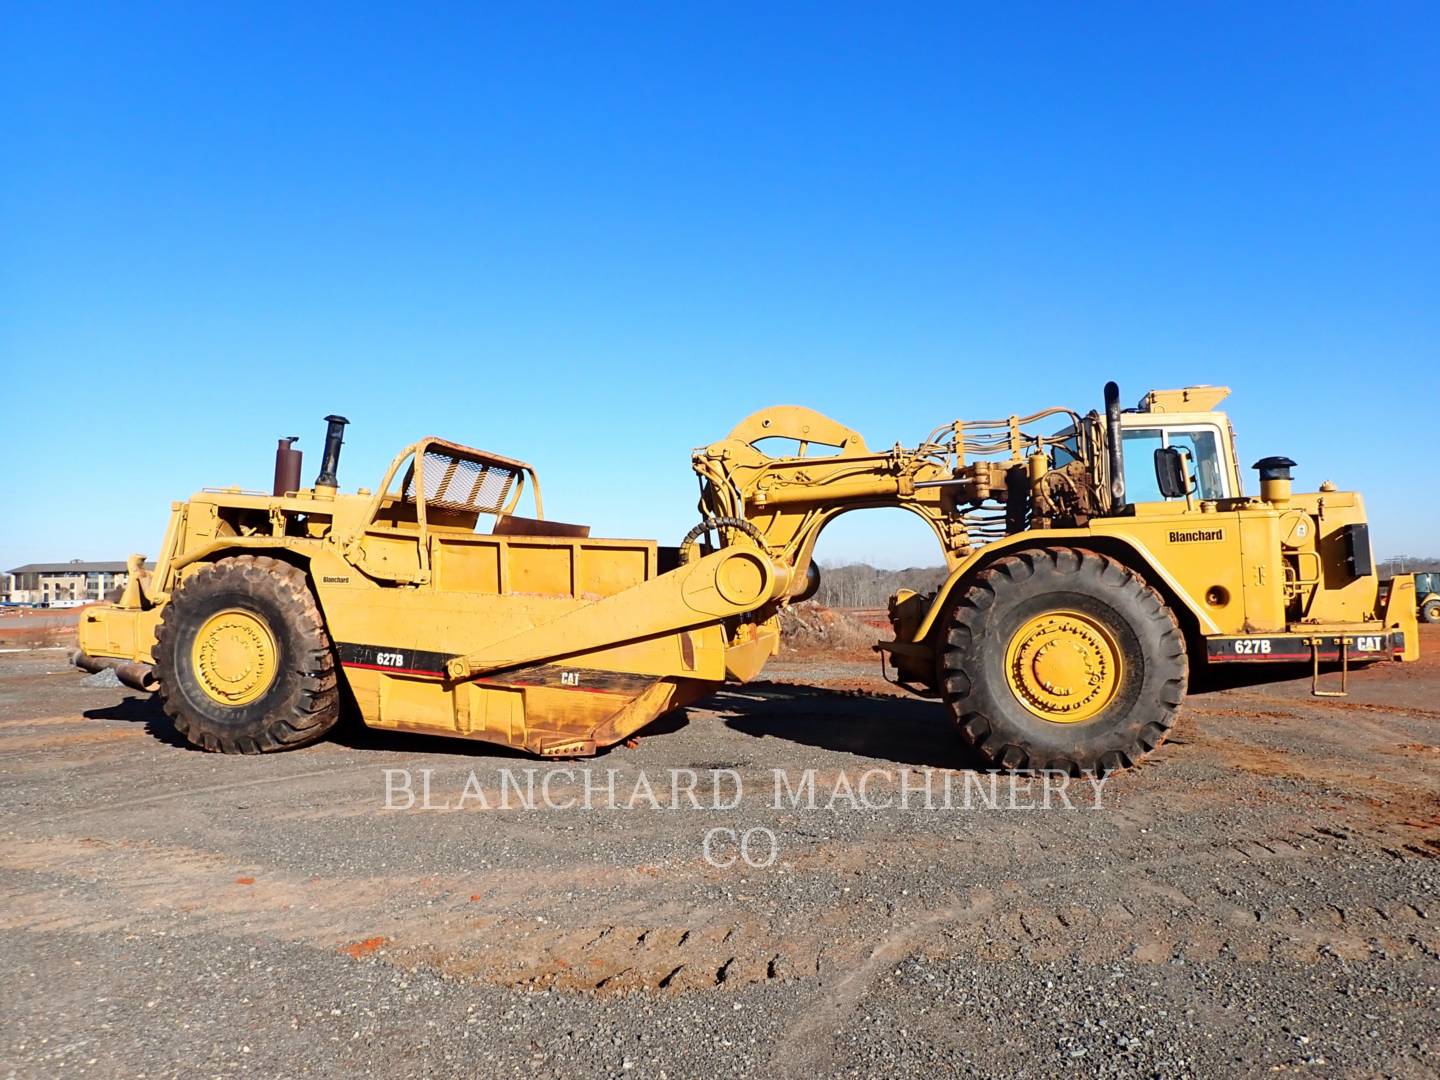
x=596, y=236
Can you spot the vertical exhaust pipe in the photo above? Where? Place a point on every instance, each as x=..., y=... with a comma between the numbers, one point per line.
x=330, y=461
x=1114, y=449
x=287, y=466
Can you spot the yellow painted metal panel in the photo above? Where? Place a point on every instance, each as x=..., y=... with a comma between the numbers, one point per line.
x=605, y=569
x=540, y=569
x=412, y=703
x=467, y=567
x=1264, y=573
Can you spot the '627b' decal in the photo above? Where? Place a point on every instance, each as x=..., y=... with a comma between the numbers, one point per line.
x=389, y=658
x=1252, y=646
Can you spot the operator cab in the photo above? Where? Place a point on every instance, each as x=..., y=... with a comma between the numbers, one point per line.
x=1184, y=420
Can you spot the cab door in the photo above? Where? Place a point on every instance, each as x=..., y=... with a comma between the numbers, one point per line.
x=1204, y=444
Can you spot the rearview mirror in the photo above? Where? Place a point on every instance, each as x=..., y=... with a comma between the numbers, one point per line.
x=1170, y=472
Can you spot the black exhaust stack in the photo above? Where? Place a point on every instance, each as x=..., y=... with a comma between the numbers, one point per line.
x=287, y=466
x=1114, y=449
x=334, y=437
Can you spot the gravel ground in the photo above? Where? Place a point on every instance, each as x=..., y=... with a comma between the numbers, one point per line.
x=1260, y=896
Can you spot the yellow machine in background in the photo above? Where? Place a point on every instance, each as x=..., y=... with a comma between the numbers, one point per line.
x=1427, y=596
x=1093, y=560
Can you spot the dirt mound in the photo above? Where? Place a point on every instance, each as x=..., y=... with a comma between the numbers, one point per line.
x=812, y=627
x=38, y=629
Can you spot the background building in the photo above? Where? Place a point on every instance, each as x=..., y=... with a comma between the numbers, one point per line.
x=50, y=583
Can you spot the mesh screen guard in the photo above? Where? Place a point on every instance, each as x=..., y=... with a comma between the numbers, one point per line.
x=456, y=482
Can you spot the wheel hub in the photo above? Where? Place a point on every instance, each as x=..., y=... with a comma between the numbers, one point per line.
x=235, y=657
x=1063, y=666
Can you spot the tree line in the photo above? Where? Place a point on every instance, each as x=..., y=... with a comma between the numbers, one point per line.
x=861, y=586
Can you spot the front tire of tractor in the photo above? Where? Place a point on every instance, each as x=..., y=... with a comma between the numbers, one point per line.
x=1063, y=659
x=244, y=660
x=1430, y=611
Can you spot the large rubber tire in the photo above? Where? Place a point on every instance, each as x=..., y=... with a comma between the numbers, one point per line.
x=1006, y=596
x=302, y=700
x=1430, y=611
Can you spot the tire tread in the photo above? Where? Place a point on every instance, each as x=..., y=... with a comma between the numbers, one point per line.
x=970, y=632
x=311, y=705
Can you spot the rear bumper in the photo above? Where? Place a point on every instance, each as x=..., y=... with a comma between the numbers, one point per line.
x=1292, y=648
x=121, y=633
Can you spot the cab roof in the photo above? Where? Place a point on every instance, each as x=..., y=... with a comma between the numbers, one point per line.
x=1188, y=399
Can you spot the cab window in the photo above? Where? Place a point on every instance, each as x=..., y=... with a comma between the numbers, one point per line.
x=1201, y=445
x=1140, y=445
x=1066, y=449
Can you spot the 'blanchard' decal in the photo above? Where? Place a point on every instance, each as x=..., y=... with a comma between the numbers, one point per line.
x=432, y=665
x=1191, y=536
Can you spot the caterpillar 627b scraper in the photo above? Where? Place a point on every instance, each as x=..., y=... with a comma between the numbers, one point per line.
x=1095, y=560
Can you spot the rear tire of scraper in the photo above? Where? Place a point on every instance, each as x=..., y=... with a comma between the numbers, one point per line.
x=1430, y=611
x=1060, y=659
x=244, y=661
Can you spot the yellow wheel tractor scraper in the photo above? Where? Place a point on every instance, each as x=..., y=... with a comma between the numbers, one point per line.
x=1094, y=561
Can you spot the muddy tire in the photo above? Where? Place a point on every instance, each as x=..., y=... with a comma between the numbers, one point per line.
x=1430, y=611
x=1062, y=659
x=244, y=660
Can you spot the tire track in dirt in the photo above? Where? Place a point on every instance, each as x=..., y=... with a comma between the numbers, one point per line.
x=1155, y=923
x=196, y=792
x=423, y=920
x=45, y=721
x=1400, y=809
x=802, y=1049
x=22, y=744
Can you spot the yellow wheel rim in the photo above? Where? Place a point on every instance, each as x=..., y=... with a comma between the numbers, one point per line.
x=235, y=657
x=1063, y=666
